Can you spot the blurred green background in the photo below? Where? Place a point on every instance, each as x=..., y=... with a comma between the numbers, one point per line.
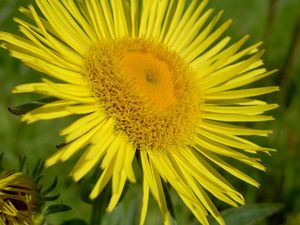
x=276, y=22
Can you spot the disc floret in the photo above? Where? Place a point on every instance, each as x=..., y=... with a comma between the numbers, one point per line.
x=149, y=90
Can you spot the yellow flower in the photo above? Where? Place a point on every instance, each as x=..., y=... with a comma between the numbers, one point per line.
x=149, y=77
x=19, y=203
x=23, y=200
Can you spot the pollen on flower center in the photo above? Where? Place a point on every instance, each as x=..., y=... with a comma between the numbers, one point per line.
x=151, y=77
x=151, y=93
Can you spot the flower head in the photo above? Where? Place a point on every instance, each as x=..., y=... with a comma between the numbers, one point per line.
x=153, y=77
x=23, y=199
x=19, y=202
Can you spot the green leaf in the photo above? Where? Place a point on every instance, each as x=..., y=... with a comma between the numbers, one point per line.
x=51, y=198
x=75, y=222
x=39, y=166
x=248, y=215
x=22, y=161
x=57, y=208
x=25, y=108
x=51, y=188
x=1, y=160
x=38, y=179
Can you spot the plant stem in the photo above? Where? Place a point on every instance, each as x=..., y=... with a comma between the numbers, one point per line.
x=291, y=58
x=98, y=209
x=270, y=20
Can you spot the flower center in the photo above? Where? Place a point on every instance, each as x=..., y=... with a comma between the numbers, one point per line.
x=149, y=90
x=151, y=78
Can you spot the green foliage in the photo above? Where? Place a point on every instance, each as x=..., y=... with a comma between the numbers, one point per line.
x=56, y=209
x=35, y=173
x=25, y=108
x=248, y=215
x=74, y=222
x=1, y=159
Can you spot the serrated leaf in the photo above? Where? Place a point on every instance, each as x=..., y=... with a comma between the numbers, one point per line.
x=248, y=215
x=75, y=222
x=57, y=209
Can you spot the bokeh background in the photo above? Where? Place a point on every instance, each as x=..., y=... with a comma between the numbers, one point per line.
x=276, y=22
